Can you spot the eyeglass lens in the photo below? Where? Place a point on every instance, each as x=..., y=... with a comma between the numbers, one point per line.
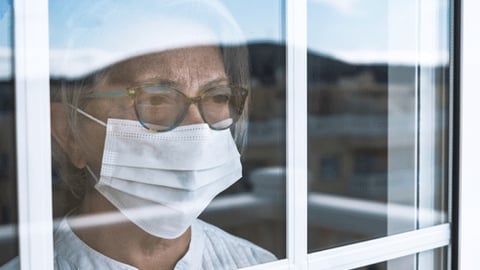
x=160, y=108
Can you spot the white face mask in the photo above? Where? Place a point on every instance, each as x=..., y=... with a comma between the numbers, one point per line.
x=163, y=181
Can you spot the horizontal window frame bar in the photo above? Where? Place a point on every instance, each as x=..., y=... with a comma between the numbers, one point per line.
x=381, y=249
x=276, y=265
x=370, y=252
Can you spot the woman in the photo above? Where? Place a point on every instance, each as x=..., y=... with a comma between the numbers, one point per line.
x=146, y=139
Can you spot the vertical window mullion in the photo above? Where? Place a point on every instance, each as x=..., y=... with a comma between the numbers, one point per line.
x=469, y=223
x=296, y=31
x=33, y=133
x=432, y=52
x=402, y=127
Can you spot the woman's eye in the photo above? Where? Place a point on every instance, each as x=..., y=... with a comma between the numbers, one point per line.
x=160, y=100
x=221, y=98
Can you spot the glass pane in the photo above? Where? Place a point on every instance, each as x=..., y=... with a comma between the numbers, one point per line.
x=8, y=185
x=264, y=152
x=436, y=259
x=378, y=118
x=138, y=154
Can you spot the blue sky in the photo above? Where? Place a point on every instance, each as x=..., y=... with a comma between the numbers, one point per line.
x=5, y=39
x=353, y=25
x=5, y=22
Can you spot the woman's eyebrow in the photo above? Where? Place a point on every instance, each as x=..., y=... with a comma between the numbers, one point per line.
x=174, y=84
x=159, y=81
x=215, y=82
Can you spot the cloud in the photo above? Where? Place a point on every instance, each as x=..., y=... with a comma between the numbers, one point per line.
x=5, y=63
x=79, y=62
x=342, y=6
x=393, y=57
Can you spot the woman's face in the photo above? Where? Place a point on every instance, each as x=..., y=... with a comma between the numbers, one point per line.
x=190, y=70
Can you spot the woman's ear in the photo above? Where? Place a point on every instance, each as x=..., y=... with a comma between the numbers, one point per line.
x=63, y=136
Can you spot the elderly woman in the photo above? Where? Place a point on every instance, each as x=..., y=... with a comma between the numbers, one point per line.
x=147, y=138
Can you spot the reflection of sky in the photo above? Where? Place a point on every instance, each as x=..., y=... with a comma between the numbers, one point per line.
x=353, y=30
x=102, y=32
x=5, y=24
x=347, y=25
x=5, y=39
x=337, y=27
x=259, y=20
x=362, y=31
x=366, y=31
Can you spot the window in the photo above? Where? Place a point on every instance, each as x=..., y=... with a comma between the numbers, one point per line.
x=379, y=99
x=352, y=154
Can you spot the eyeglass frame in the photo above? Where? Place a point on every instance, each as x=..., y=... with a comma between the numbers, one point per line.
x=132, y=93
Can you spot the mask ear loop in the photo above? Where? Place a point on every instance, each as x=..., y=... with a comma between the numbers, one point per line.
x=88, y=115
x=91, y=117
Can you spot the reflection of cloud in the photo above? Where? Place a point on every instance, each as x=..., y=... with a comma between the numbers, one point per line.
x=392, y=57
x=92, y=35
x=74, y=63
x=88, y=49
x=5, y=63
x=342, y=6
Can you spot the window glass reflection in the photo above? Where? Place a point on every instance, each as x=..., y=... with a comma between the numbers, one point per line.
x=377, y=119
x=258, y=201
x=134, y=166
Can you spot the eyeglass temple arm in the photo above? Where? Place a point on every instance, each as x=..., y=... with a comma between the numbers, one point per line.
x=113, y=93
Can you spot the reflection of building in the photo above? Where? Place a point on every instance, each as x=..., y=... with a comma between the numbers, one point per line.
x=347, y=107
x=348, y=134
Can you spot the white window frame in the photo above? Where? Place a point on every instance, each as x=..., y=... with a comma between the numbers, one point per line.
x=34, y=151
x=469, y=199
x=32, y=112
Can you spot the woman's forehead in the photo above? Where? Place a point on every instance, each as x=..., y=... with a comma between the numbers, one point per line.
x=182, y=65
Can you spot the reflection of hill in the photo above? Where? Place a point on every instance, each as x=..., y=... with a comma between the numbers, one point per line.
x=334, y=86
x=267, y=58
x=326, y=69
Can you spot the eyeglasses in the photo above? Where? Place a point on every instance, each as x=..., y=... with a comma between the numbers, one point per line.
x=161, y=108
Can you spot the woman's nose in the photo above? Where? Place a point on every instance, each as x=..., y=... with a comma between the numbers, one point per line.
x=193, y=115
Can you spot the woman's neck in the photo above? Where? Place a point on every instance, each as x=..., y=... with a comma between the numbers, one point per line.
x=123, y=241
